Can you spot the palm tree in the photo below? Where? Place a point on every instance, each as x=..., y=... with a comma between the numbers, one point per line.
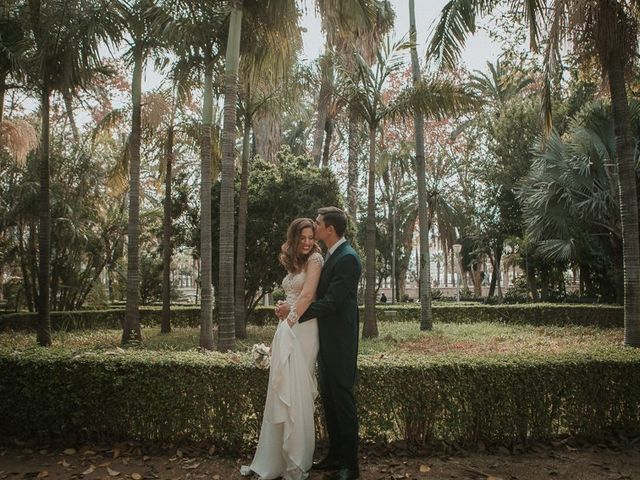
x=608, y=27
x=282, y=20
x=138, y=19
x=63, y=56
x=165, y=319
x=226, y=318
x=435, y=98
x=571, y=192
x=345, y=23
x=366, y=42
x=501, y=85
x=424, y=282
x=192, y=30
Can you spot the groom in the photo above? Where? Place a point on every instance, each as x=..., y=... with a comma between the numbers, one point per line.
x=336, y=309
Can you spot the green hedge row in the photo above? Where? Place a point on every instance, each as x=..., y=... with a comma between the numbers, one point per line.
x=217, y=398
x=530, y=314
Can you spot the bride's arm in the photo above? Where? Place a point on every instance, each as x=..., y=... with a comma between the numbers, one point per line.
x=308, y=293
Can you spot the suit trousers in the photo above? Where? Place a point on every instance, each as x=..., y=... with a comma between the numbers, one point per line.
x=338, y=401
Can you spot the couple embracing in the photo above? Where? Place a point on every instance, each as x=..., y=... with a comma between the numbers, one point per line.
x=318, y=321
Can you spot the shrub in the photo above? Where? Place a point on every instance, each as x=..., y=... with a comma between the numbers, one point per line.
x=217, y=398
x=528, y=314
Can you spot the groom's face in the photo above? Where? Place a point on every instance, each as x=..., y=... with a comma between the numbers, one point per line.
x=321, y=229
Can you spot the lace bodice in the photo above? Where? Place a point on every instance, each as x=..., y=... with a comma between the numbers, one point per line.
x=293, y=282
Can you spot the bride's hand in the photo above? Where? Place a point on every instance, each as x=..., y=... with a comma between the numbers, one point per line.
x=282, y=310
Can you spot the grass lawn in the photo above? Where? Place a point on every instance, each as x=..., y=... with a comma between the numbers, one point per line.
x=396, y=338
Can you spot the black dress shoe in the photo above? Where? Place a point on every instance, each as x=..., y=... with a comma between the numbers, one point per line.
x=326, y=464
x=343, y=474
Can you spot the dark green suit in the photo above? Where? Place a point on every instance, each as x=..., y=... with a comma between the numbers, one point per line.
x=336, y=308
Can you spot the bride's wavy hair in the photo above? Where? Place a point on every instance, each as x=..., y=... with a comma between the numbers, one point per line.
x=290, y=259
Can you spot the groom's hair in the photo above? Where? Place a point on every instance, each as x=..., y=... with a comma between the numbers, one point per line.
x=335, y=217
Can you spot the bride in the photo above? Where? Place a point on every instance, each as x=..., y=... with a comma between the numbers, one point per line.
x=287, y=437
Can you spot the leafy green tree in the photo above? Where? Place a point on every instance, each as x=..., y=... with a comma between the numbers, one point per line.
x=608, y=29
x=278, y=193
x=569, y=197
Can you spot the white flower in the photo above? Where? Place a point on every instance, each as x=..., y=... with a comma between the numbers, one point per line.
x=261, y=355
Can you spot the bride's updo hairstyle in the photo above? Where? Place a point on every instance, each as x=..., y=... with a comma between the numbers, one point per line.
x=290, y=259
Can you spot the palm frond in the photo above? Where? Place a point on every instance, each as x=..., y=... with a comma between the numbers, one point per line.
x=457, y=21
x=19, y=137
x=436, y=99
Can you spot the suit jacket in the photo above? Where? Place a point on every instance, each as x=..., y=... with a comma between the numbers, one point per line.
x=336, y=308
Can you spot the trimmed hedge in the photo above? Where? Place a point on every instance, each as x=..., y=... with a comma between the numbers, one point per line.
x=218, y=398
x=95, y=319
x=529, y=314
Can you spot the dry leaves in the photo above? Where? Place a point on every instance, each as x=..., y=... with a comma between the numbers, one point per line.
x=112, y=473
x=89, y=470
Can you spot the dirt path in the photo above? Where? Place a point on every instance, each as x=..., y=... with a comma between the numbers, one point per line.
x=130, y=461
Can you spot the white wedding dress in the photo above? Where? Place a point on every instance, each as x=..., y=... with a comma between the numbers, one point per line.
x=287, y=436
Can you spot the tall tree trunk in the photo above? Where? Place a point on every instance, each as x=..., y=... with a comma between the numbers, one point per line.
x=3, y=89
x=324, y=99
x=352, y=175
x=226, y=326
x=327, y=143
x=241, y=254
x=495, y=270
x=476, y=279
x=454, y=278
x=370, y=326
x=68, y=104
x=392, y=221
x=165, y=320
x=33, y=260
x=445, y=254
x=625, y=149
x=44, y=233
x=131, y=330
x=24, y=269
x=206, y=308
x=426, y=319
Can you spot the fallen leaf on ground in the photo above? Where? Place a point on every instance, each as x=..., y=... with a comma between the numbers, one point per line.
x=136, y=476
x=425, y=468
x=70, y=451
x=43, y=474
x=89, y=470
x=112, y=473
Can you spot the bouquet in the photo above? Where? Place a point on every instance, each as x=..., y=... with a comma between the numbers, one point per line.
x=261, y=355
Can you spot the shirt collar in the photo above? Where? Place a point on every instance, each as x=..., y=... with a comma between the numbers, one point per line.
x=336, y=245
